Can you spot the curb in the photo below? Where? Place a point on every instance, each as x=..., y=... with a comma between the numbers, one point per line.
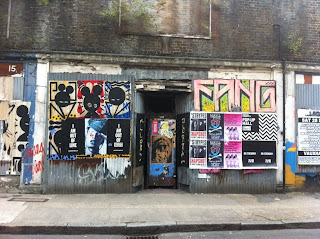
x=155, y=228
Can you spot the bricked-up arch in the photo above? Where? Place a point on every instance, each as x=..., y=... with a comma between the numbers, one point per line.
x=169, y=17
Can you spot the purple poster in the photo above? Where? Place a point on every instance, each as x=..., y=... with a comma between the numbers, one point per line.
x=233, y=155
x=232, y=127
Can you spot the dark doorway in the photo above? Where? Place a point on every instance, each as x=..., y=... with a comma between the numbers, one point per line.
x=161, y=126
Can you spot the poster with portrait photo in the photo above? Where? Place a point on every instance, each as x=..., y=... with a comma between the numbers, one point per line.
x=232, y=127
x=118, y=136
x=215, y=154
x=215, y=125
x=96, y=136
x=198, y=125
x=198, y=154
x=233, y=155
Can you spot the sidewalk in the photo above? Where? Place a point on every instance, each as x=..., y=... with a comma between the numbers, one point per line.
x=155, y=211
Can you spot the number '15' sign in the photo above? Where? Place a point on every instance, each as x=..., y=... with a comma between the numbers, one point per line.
x=8, y=69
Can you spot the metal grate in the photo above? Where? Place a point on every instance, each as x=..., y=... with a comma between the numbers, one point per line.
x=28, y=199
x=142, y=237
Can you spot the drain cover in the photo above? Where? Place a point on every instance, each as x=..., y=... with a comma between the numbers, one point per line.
x=29, y=199
x=141, y=237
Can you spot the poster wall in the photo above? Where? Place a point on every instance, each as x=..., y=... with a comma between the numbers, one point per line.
x=233, y=140
x=308, y=137
x=89, y=119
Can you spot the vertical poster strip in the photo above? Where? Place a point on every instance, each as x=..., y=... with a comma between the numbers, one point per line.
x=308, y=137
x=233, y=154
x=232, y=127
x=215, y=124
x=140, y=140
x=155, y=127
x=215, y=154
x=198, y=121
x=259, y=154
x=118, y=136
x=198, y=154
x=183, y=123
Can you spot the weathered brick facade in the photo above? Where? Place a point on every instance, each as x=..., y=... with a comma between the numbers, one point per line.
x=241, y=29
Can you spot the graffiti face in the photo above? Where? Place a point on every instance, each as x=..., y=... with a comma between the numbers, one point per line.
x=91, y=100
x=62, y=98
x=161, y=149
x=116, y=96
x=117, y=99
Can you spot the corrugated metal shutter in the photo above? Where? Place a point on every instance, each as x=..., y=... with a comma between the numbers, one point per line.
x=92, y=175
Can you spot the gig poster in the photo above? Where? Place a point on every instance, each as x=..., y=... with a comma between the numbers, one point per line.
x=259, y=154
x=215, y=123
x=198, y=154
x=198, y=125
x=233, y=155
x=308, y=137
x=233, y=127
x=215, y=154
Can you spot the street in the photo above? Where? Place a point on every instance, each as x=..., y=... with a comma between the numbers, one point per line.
x=252, y=234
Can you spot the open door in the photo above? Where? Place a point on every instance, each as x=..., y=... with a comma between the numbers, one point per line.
x=161, y=154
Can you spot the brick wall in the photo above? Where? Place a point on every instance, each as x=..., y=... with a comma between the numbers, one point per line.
x=241, y=29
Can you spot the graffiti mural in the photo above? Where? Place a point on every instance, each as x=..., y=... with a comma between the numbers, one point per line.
x=14, y=132
x=235, y=95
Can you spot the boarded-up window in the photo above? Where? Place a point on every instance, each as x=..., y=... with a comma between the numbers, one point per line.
x=166, y=17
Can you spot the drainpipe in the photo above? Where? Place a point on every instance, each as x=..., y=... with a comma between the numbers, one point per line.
x=283, y=66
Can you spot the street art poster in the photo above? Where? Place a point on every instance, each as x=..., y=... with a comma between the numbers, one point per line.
x=183, y=124
x=234, y=95
x=308, y=137
x=198, y=154
x=259, y=154
x=198, y=125
x=226, y=138
x=90, y=99
x=80, y=119
x=233, y=155
x=215, y=123
x=62, y=100
x=15, y=120
x=117, y=100
x=215, y=154
x=233, y=127
x=118, y=136
x=66, y=139
x=162, y=149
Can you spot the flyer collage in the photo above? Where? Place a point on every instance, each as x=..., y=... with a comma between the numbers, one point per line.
x=232, y=140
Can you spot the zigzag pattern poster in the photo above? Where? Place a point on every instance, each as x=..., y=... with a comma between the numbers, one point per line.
x=233, y=140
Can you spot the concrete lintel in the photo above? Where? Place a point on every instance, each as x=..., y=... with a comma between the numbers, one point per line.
x=160, y=61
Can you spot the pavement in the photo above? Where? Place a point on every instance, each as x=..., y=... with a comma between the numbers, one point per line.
x=150, y=212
